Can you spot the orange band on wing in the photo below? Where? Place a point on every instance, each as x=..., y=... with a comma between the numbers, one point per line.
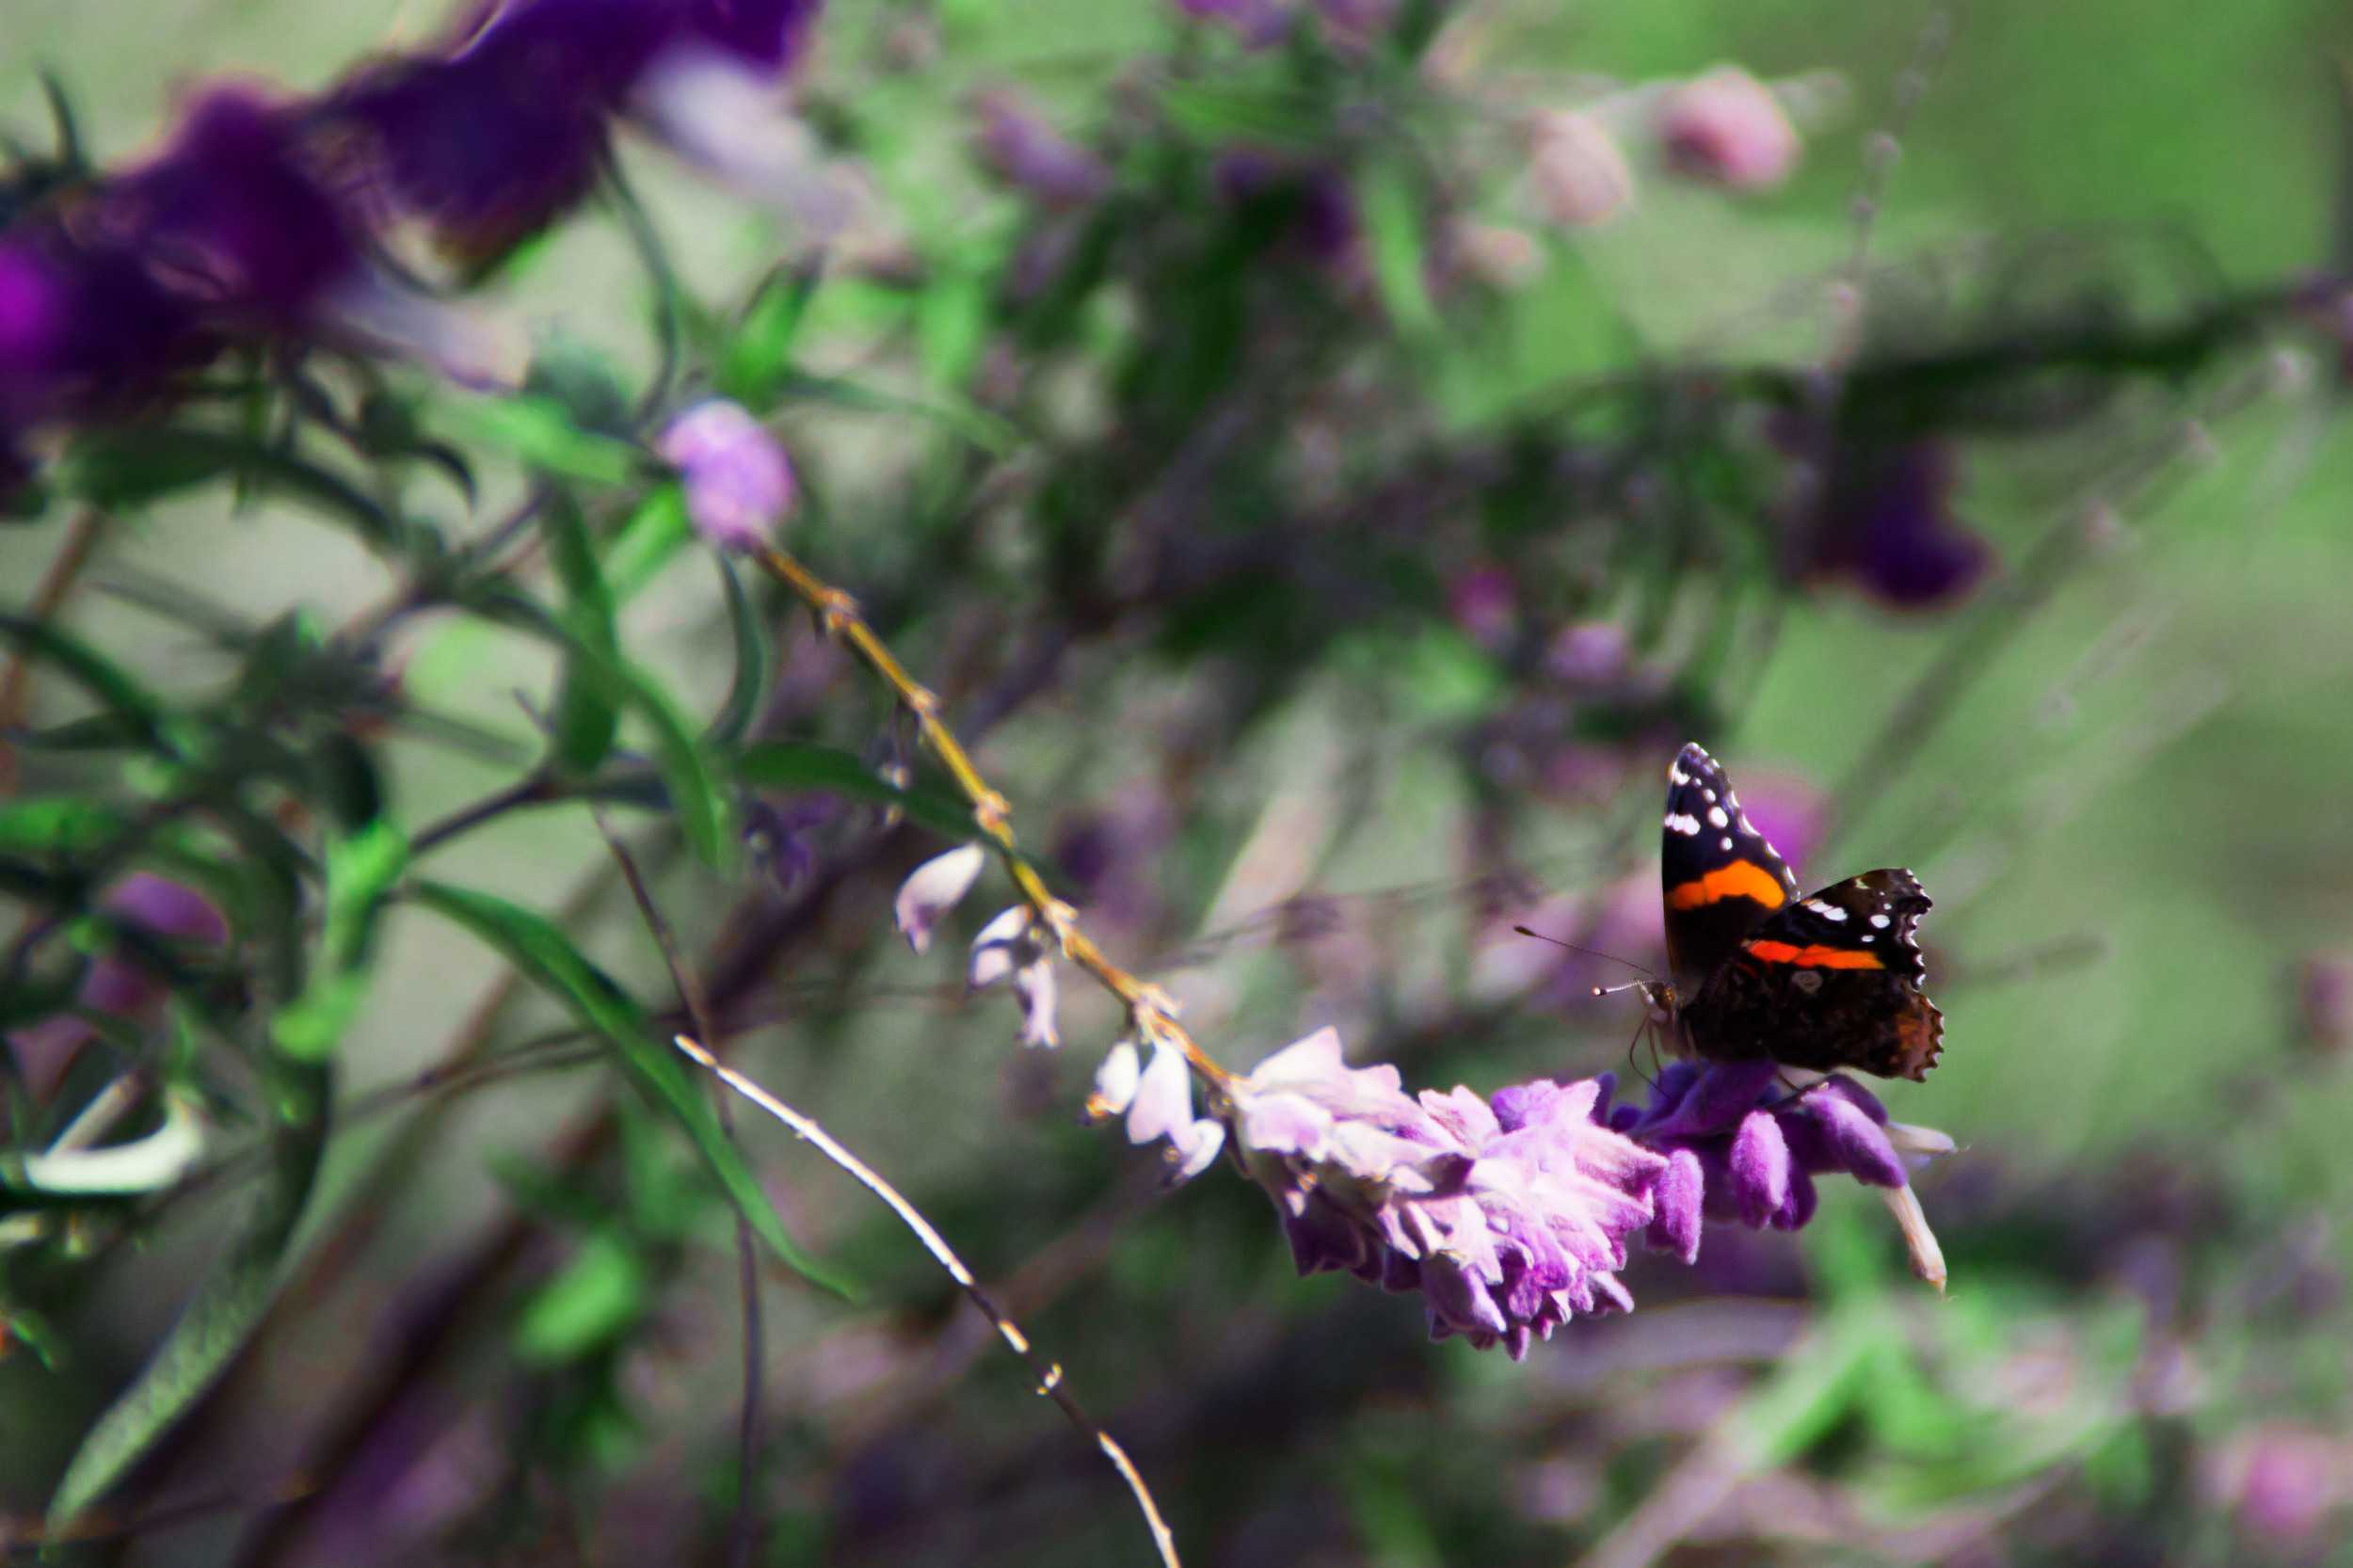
x=1739, y=880
x=1813, y=957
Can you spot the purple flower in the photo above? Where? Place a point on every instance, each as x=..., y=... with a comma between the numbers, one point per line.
x=1027, y=153
x=235, y=215
x=739, y=483
x=494, y=143
x=505, y=132
x=1742, y=1145
x=119, y=986
x=83, y=330
x=1887, y=523
x=767, y=35
x=1510, y=1217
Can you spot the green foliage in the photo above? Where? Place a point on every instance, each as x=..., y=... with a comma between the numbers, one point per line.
x=549, y=959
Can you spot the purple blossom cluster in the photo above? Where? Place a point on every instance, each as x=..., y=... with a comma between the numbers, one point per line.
x=1510, y=1217
x=265, y=216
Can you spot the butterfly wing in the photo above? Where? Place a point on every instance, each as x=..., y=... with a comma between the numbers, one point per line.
x=1721, y=878
x=1827, y=981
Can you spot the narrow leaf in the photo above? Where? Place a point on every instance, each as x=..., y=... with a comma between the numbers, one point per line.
x=228, y=1305
x=587, y=717
x=797, y=765
x=548, y=957
x=751, y=658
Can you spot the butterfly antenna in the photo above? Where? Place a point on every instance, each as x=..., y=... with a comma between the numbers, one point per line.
x=1594, y=952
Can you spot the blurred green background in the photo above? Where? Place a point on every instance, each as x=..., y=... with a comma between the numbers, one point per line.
x=2126, y=795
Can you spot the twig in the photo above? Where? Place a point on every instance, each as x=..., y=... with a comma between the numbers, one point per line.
x=1049, y=1374
x=1150, y=1010
x=743, y=1529
x=16, y=679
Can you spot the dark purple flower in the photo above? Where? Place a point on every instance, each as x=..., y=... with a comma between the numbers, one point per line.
x=769, y=35
x=492, y=144
x=1887, y=523
x=1510, y=1217
x=234, y=215
x=82, y=328
x=116, y=984
x=1743, y=1146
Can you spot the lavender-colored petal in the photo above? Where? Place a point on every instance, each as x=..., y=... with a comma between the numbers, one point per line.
x=932, y=889
x=1676, y=1199
x=1282, y=1125
x=1459, y=1300
x=1716, y=1102
x=1803, y=1196
x=1857, y=1143
x=1164, y=1101
x=167, y=908
x=1002, y=947
x=1759, y=1168
x=737, y=481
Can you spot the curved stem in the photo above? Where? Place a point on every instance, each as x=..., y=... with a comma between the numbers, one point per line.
x=1150, y=1010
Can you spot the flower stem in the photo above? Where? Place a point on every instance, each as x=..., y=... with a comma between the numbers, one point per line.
x=1150, y=1010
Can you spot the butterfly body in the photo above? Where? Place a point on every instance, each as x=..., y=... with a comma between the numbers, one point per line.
x=1823, y=981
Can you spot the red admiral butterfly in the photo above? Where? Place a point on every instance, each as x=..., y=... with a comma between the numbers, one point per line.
x=1826, y=982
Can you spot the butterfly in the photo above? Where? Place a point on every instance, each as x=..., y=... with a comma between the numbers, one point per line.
x=1824, y=982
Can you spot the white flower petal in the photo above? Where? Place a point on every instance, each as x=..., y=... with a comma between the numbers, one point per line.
x=1002, y=947
x=932, y=889
x=1116, y=1082
x=1164, y=1101
x=1193, y=1148
x=1034, y=987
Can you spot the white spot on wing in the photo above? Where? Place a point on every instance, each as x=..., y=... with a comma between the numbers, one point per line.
x=1716, y=817
x=1724, y=842
x=1880, y=921
x=1675, y=773
x=1709, y=795
x=1683, y=822
x=1828, y=911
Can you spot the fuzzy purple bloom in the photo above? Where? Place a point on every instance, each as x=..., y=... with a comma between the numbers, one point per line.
x=1888, y=526
x=234, y=214
x=505, y=132
x=1508, y=1216
x=739, y=483
x=1742, y=1145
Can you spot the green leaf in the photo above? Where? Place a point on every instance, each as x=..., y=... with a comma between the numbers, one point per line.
x=59, y=824
x=704, y=814
x=125, y=469
x=592, y=1301
x=653, y=534
x=1390, y=203
x=540, y=431
x=758, y=356
x=751, y=660
x=1222, y=114
x=960, y=417
x=799, y=766
x=550, y=960
x=587, y=717
x=361, y=868
x=227, y=1306
x=95, y=673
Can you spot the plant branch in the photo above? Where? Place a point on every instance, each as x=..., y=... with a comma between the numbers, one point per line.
x=1049, y=1374
x=1150, y=1010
